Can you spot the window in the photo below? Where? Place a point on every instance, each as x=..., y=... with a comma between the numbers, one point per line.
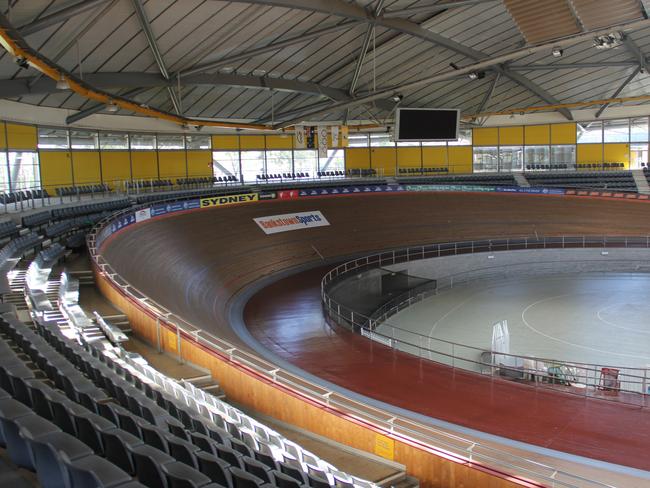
x=82, y=139
x=143, y=141
x=170, y=142
x=381, y=140
x=536, y=155
x=225, y=163
x=113, y=141
x=486, y=159
x=511, y=158
x=464, y=138
x=53, y=138
x=617, y=130
x=589, y=132
x=23, y=170
x=358, y=140
x=638, y=155
x=278, y=162
x=252, y=164
x=198, y=142
x=639, y=129
x=306, y=161
x=335, y=161
x=564, y=155
x=4, y=176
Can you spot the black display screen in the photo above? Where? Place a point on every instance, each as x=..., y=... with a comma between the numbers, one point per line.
x=426, y=124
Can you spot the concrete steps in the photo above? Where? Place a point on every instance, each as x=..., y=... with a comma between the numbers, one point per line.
x=521, y=179
x=641, y=181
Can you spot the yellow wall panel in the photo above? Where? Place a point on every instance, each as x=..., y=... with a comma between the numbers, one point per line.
x=144, y=165
x=251, y=142
x=409, y=157
x=357, y=158
x=460, y=159
x=384, y=160
x=116, y=168
x=3, y=138
x=617, y=153
x=21, y=136
x=434, y=156
x=537, y=134
x=563, y=133
x=56, y=169
x=485, y=136
x=284, y=141
x=511, y=136
x=171, y=164
x=85, y=167
x=225, y=142
x=199, y=163
x=589, y=153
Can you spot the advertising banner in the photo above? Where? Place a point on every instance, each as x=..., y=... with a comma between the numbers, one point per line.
x=349, y=190
x=293, y=221
x=288, y=194
x=335, y=136
x=165, y=208
x=322, y=141
x=229, y=200
x=143, y=214
x=299, y=137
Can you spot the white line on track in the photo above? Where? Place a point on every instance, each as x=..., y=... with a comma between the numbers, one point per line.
x=617, y=326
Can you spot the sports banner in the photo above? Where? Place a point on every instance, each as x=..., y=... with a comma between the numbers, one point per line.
x=143, y=214
x=229, y=200
x=293, y=221
x=165, y=208
x=322, y=141
x=335, y=136
x=299, y=137
x=349, y=190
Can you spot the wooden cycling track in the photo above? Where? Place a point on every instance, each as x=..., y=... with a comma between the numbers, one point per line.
x=195, y=263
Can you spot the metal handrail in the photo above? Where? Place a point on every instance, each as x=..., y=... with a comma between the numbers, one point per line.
x=632, y=381
x=459, y=448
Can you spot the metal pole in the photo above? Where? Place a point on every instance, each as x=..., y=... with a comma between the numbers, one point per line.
x=178, y=343
x=159, y=346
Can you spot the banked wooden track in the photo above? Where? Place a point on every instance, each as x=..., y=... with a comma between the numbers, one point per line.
x=195, y=263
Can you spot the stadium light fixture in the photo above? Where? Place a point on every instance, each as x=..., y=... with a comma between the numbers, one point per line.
x=62, y=84
x=557, y=52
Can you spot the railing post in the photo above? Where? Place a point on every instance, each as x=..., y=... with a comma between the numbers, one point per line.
x=178, y=343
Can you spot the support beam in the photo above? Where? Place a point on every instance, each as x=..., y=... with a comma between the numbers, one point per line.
x=128, y=80
x=59, y=16
x=153, y=45
x=98, y=107
x=553, y=67
x=352, y=11
x=477, y=66
x=200, y=68
x=632, y=47
x=619, y=89
x=488, y=94
x=364, y=50
x=436, y=7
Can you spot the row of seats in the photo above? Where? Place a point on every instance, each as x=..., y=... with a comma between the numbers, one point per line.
x=488, y=179
x=330, y=174
x=361, y=172
x=601, y=165
x=19, y=246
x=185, y=194
x=50, y=255
x=76, y=240
x=421, y=171
x=548, y=167
x=37, y=219
x=18, y=196
x=8, y=228
x=283, y=176
x=90, y=208
x=157, y=450
x=135, y=184
x=66, y=191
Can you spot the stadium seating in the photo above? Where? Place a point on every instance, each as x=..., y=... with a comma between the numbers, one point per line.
x=23, y=195
x=613, y=180
x=500, y=179
x=66, y=191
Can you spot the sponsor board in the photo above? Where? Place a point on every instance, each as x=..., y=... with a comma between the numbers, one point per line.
x=293, y=221
x=229, y=200
x=143, y=214
x=490, y=189
x=531, y=190
x=376, y=337
x=122, y=222
x=165, y=208
x=268, y=195
x=288, y=194
x=350, y=190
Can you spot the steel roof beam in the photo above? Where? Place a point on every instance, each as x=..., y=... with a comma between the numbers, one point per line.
x=488, y=93
x=632, y=47
x=364, y=50
x=98, y=107
x=153, y=45
x=59, y=16
x=436, y=7
x=619, y=89
x=265, y=49
x=547, y=67
x=114, y=81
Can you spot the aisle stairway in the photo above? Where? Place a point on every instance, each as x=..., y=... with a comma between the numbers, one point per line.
x=641, y=181
x=521, y=179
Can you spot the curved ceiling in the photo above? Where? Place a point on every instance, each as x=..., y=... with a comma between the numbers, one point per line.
x=278, y=60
